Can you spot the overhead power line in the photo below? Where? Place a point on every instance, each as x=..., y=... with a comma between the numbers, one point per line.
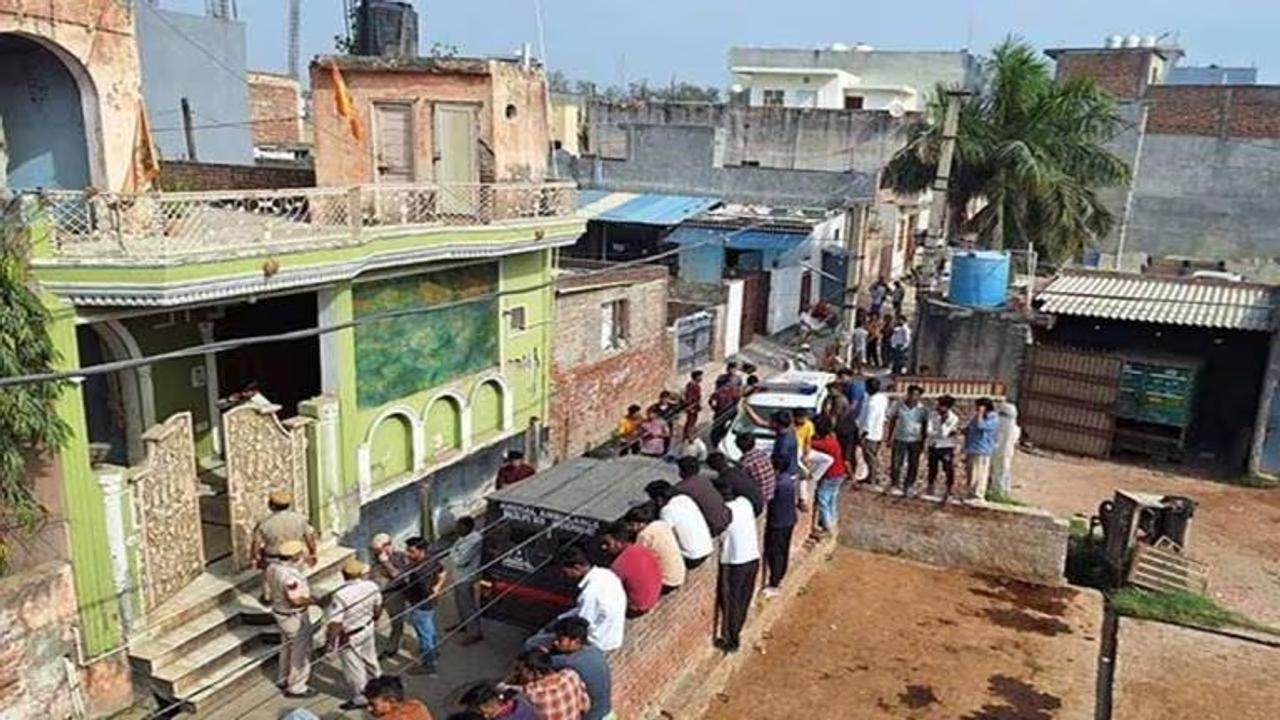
x=232, y=344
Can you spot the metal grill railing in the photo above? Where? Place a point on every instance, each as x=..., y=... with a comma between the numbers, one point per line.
x=165, y=225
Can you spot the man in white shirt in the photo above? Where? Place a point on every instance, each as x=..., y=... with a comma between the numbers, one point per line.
x=859, y=347
x=942, y=440
x=686, y=520
x=871, y=421
x=899, y=344
x=739, y=565
x=602, y=601
x=465, y=556
x=353, y=609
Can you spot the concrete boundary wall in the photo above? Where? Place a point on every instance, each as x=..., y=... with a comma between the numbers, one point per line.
x=1004, y=540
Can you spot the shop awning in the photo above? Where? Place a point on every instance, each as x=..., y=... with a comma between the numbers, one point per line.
x=642, y=209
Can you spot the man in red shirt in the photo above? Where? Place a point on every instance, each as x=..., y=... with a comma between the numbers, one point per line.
x=692, y=403
x=514, y=469
x=636, y=566
x=825, y=441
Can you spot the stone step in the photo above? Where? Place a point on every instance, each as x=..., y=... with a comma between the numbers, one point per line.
x=148, y=656
x=224, y=687
x=191, y=672
x=219, y=588
x=217, y=633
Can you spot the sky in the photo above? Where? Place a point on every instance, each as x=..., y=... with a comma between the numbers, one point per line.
x=616, y=41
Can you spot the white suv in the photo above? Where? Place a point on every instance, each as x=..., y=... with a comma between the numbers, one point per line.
x=786, y=391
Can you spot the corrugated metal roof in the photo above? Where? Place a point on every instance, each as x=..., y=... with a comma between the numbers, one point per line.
x=753, y=239
x=1172, y=301
x=645, y=209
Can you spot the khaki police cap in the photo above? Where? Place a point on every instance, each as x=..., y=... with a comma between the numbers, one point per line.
x=354, y=568
x=280, y=497
x=291, y=548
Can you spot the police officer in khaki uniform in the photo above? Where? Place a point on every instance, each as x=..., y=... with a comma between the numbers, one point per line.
x=289, y=596
x=281, y=526
x=352, y=612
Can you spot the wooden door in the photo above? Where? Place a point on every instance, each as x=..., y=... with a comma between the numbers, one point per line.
x=393, y=157
x=455, y=158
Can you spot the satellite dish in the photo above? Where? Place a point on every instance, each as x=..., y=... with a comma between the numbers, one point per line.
x=896, y=109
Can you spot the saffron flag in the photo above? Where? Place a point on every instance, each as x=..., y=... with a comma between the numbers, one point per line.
x=146, y=161
x=345, y=105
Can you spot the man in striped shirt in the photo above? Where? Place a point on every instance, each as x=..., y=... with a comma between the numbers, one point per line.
x=554, y=694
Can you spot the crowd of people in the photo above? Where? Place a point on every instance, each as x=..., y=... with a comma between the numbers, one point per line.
x=710, y=513
x=657, y=430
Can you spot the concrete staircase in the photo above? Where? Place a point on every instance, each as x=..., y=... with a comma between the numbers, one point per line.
x=207, y=643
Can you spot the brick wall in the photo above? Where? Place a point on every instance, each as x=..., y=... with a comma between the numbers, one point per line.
x=1023, y=543
x=37, y=616
x=509, y=146
x=591, y=387
x=669, y=668
x=275, y=107
x=188, y=176
x=1215, y=110
x=1122, y=73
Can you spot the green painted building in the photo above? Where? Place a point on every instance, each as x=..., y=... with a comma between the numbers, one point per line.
x=391, y=341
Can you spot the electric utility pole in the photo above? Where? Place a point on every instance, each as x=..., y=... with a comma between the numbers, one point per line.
x=937, y=239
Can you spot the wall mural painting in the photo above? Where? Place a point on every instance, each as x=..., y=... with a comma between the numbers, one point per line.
x=400, y=356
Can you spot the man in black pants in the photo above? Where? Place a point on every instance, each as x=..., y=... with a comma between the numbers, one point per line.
x=739, y=566
x=782, y=513
x=780, y=521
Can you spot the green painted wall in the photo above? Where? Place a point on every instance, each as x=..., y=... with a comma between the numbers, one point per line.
x=526, y=282
x=486, y=411
x=86, y=518
x=444, y=427
x=460, y=339
x=392, y=454
x=526, y=354
x=171, y=379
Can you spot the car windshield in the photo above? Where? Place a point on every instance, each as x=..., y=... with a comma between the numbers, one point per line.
x=744, y=425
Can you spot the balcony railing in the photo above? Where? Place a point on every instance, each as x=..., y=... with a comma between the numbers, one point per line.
x=160, y=225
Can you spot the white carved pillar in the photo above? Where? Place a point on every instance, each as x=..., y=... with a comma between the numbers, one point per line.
x=118, y=511
x=324, y=463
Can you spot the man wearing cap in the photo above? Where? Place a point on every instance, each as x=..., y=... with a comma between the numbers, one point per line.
x=514, y=469
x=281, y=526
x=352, y=612
x=289, y=596
x=389, y=569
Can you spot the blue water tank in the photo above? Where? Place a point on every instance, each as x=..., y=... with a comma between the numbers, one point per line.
x=979, y=278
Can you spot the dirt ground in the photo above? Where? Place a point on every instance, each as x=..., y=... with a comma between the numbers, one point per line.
x=879, y=637
x=1217, y=678
x=1235, y=529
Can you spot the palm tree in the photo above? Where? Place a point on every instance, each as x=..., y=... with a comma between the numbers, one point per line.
x=1030, y=149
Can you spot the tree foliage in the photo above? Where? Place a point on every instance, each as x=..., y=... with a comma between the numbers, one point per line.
x=640, y=91
x=1029, y=151
x=28, y=417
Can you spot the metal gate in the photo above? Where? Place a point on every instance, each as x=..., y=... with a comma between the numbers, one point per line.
x=693, y=341
x=1066, y=399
